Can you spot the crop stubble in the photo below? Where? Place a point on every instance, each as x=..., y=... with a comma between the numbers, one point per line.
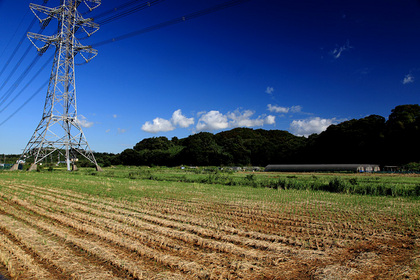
x=57, y=234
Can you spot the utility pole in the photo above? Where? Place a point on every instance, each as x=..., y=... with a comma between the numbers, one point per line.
x=59, y=130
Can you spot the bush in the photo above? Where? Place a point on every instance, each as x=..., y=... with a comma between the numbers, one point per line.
x=336, y=185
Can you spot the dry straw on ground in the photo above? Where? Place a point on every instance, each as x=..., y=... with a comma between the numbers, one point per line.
x=51, y=234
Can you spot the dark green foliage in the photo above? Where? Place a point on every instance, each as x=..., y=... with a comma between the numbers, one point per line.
x=371, y=140
x=154, y=143
x=202, y=149
x=403, y=134
x=367, y=140
x=353, y=141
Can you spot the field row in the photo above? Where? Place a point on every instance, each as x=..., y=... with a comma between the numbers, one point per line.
x=48, y=233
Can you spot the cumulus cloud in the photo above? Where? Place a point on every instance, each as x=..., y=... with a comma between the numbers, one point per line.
x=296, y=109
x=269, y=90
x=162, y=125
x=283, y=110
x=270, y=119
x=408, y=79
x=209, y=121
x=214, y=120
x=83, y=122
x=277, y=109
x=158, y=125
x=336, y=53
x=243, y=119
x=180, y=120
x=310, y=126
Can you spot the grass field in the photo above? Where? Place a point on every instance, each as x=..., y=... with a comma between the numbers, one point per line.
x=161, y=223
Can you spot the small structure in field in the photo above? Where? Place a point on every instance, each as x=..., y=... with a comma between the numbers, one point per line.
x=322, y=167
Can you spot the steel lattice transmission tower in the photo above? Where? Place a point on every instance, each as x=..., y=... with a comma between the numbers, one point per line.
x=59, y=130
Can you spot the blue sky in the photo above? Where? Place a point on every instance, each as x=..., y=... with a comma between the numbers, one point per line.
x=291, y=65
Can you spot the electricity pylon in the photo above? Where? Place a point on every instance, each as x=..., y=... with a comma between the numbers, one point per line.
x=59, y=130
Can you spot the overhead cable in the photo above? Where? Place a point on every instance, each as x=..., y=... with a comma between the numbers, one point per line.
x=194, y=15
x=133, y=10
x=20, y=43
x=26, y=102
x=47, y=62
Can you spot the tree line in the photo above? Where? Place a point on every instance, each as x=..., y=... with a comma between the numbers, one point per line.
x=372, y=139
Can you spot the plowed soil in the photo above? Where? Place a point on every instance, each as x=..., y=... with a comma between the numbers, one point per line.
x=54, y=234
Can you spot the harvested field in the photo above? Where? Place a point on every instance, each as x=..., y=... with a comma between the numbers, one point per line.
x=53, y=233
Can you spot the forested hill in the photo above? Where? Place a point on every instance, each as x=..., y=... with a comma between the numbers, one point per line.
x=372, y=139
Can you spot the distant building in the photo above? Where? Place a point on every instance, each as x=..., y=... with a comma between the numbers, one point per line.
x=322, y=167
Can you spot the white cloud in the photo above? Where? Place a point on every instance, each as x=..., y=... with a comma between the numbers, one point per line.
x=277, y=109
x=269, y=90
x=108, y=130
x=158, y=125
x=83, y=122
x=180, y=120
x=114, y=116
x=296, y=109
x=270, y=119
x=243, y=119
x=121, y=130
x=408, y=79
x=209, y=121
x=310, y=126
x=336, y=53
x=213, y=120
x=162, y=125
x=284, y=110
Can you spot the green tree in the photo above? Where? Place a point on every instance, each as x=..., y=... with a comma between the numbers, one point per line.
x=403, y=134
x=202, y=149
x=154, y=143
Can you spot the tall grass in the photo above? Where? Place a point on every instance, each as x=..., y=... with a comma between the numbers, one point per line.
x=340, y=183
x=348, y=183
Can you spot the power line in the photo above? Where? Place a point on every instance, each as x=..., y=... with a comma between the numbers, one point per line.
x=14, y=70
x=139, y=7
x=14, y=52
x=18, y=81
x=14, y=34
x=6, y=95
x=24, y=104
x=20, y=43
x=190, y=16
x=28, y=83
x=194, y=15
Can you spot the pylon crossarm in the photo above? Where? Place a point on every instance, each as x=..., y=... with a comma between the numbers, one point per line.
x=88, y=26
x=48, y=40
x=94, y=4
x=50, y=12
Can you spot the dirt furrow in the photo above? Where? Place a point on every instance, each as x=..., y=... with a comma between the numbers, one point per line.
x=189, y=267
x=96, y=247
x=276, y=243
x=19, y=264
x=71, y=265
x=159, y=238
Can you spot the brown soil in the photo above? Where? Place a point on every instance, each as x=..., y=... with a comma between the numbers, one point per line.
x=50, y=234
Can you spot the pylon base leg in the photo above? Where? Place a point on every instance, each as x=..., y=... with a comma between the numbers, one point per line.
x=98, y=168
x=14, y=167
x=33, y=167
x=74, y=167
